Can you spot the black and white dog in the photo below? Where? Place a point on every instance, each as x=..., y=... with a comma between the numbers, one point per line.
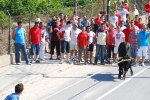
x=125, y=59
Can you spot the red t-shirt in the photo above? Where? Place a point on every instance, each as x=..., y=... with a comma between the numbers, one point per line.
x=126, y=33
x=147, y=6
x=136, y=22
x=111, y=38
x=35, y=34
x=62, y=34
x=139, y=25
x=97, y=20
x=127, y=7
x=83, y=38
x=119, y=18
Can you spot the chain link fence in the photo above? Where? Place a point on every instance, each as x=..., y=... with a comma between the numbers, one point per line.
x=90, y=10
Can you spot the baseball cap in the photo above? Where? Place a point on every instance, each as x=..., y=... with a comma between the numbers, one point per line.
x=37, y=20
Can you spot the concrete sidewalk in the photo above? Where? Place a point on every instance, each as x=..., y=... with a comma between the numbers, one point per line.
x=12, y=74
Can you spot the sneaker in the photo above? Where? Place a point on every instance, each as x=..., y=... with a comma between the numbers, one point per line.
x=42, y=59
x=78, y=62
x=28, y=63
x=50, y=58
x=95, y=63
x=37, y=61
x=108, y=62
x=91, y=62
x=136, y=65
x=61, y=62
x=143, y=65
x=18, y=63
x=69, y=62
x=102, y=63
x=57, y=58
x=71, y=58
x=86, y=63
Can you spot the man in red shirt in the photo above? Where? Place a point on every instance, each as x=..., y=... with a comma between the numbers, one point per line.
x=136, y=19
x=35, y=39
x=110, y=41
x=98, y=19
x=119, y=17
x=83, y=39
x=127, y=31
x=147, y=10
x=139, y=24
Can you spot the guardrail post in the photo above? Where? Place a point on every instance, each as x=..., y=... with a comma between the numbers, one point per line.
x=9, y=36
x=29, y=12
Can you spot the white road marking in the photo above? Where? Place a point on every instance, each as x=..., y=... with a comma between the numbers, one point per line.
x=107, y=93
x=74, y=84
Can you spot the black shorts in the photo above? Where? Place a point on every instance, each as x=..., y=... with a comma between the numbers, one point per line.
x=110, y=49
x=65, y=46
x=91, y=46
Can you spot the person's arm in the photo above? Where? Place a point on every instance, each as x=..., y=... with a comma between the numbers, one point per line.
x=13, y=34
x=95, y=37
x=107, y=37
x=58, y=34
x=123, y=39
x=51, y=30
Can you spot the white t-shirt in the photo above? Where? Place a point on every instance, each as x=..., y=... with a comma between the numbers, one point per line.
x=74, y=35
x=118, y=38
x=113, y=19
x=91, y=36
x=44, y=33
x=123, y=14
x=122, y=28
x=67, y=33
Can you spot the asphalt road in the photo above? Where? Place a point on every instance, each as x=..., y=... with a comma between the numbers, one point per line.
x=104, y=85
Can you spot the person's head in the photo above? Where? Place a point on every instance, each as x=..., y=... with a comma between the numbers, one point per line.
x=54, y=18
x=92, y=21
x=134, y=6
x=88, y=28
x=36, y=25
x=101, y=12
x=19, y=24
x=75, y=26
x=84, y=17
x=98, y=15
x=38, y=20
x=123, y=7
x=74, y=13
x=66, y=18
x=132, y=22
x=19, y=88
x=104, y=13
x=61, y=21
x=118, y=28
x=121, y=23
x=114, y=13
x=103, y=18
x=41, y=25
x=61, y=15
x=68, y=24
x=140, y=20
x=79, y=20
x=112, y=26
x=136, y=17
x=83, y=29
x=144, y=27
x=125, y=4
x=134, y=29
x=102, y=26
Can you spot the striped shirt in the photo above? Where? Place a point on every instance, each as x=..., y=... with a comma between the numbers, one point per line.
x=133, y=39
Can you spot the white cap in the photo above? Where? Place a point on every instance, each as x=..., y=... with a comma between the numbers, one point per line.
x=37, y=20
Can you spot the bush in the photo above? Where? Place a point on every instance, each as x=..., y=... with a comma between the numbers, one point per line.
x=3, y=20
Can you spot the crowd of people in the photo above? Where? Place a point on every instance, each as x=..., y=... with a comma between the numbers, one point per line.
x=71, y=38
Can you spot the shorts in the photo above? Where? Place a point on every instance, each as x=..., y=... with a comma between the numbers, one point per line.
x=65, y=46
x=116, y=49
x=73, y=46
x=91, y=46
x=147, y=15
x=35, y=47
x=110, y=49
x=142, y=51
x=83, y=49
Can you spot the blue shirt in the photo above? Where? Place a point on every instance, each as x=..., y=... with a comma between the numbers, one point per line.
x=83, y=22
x=19, y=37
x=143, y=38
x=13, y=96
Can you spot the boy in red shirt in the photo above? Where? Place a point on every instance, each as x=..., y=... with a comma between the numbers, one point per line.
x=35, y=39
x=83, y=39
x=147, y=10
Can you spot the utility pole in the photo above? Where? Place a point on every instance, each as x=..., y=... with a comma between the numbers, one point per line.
x=76, y=5
x=108, y=8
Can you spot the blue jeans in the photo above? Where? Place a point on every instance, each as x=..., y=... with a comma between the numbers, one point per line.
x=100, y=49
x=135, y=51
x=35, y=46
x=21, y=46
